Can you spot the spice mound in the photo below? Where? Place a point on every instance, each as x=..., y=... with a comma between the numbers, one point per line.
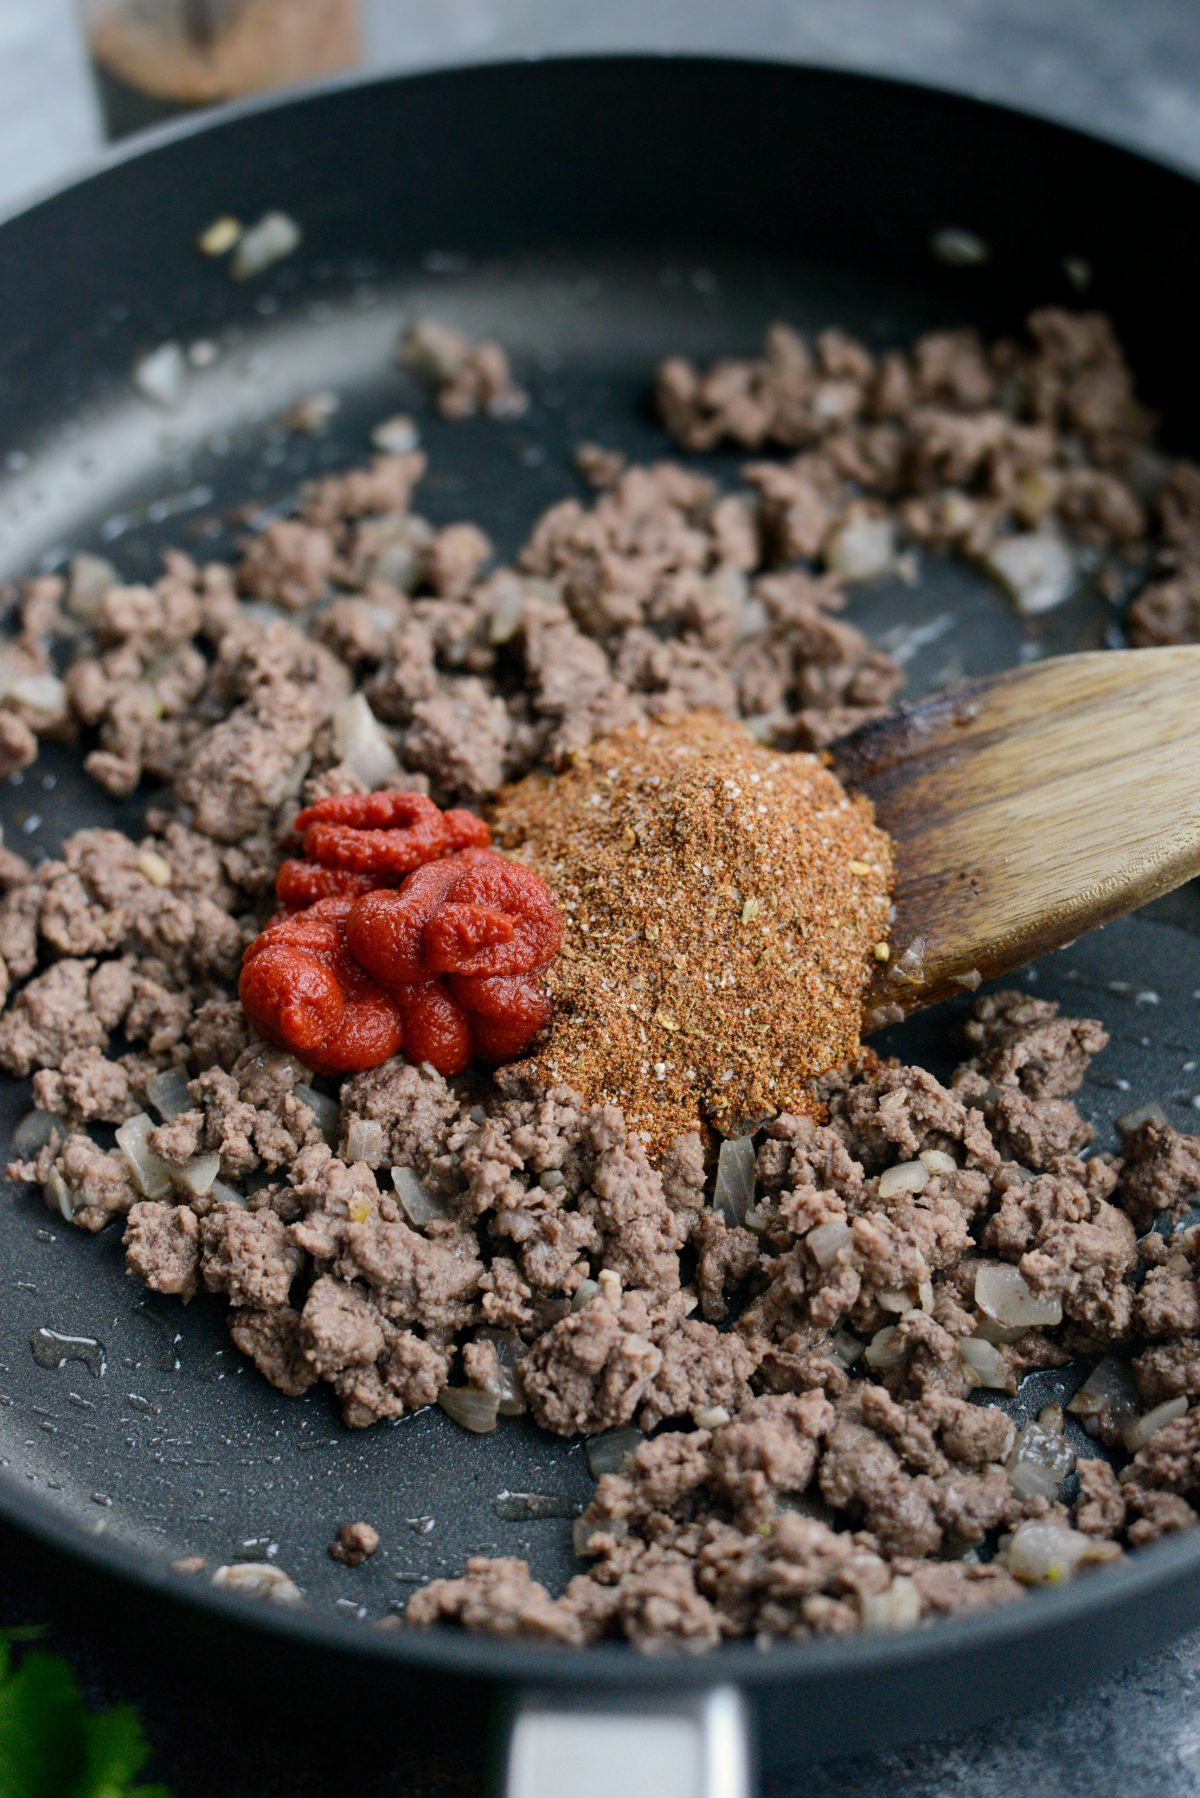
x=723, y=904
x=402, y=932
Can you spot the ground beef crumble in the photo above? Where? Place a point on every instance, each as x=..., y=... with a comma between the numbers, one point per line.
x=355, y=1543
x=805, y=1375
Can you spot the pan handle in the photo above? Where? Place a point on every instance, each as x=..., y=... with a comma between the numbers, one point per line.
x=580, y=1744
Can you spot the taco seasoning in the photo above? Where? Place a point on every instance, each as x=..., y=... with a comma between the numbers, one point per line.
x=724, y=905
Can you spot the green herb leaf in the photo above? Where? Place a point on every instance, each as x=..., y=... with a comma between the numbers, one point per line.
x=116, y=1751
x=42, y=1730
x=52, y=1746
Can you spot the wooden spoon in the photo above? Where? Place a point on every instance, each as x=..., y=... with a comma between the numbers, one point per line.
x=1027, y=808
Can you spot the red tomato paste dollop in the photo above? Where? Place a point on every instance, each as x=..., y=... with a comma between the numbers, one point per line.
x=403, y=932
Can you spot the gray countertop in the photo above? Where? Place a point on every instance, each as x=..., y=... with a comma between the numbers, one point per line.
x=1126, y=71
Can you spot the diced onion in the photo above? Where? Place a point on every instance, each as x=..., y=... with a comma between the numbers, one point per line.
x=396, y=436
x=736, y=1171
x=219, y=237
x=1046, y=1554
x=844, y=1348
x=14, y=667
x=584, y=1293
x=826, y=1240
x=1035, y=494
x=1002, y=1292
x=33, y=1132
x=906, y=1176
x=312, y=412
x=1037, y=568
x=434, y=349
x=326, y=1112
x=267, y=1062
x=1109, y=1393
x=1140, y=1429
x=198, y=1175
x=582, y=1532
x=988, y=1330
x=58, y=1195
x=168, y=1093
x=258, y=1579
x=907, y=966
x=265, y=611
x=224, y=1194
x=958, y=248
x=89, y=578
x=805, y=1504
x=507, y=612
x=361, y=741
x=509, y=1349
x=938, y=1162
x=1129, y=1121
x=731, y=585
x=763, y=726
x=43, y=694
x=160, y=376
x=154, y=867
x=274, y=236
x=292, y=779
x=898, y=1302
x=151, y=1174
x=883, y=1351
x=1039, y=1462
x=512, y=1401
x=469, y=1408
x=862, y=549
x=897, y=1608
x=985, y=1361
x=400, y=540
x=366, y=1140
x=609, y=1451
x=418, y=1205
x=710, y=1417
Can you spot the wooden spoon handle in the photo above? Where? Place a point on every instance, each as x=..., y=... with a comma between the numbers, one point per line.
x=1027, y=808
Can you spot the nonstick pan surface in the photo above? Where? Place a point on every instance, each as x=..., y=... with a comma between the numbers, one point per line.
x=594, y=216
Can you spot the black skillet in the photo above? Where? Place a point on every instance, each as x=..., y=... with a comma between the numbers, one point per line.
x=594, y=215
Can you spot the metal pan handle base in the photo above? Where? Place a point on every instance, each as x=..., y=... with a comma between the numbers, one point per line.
x=579, y=1745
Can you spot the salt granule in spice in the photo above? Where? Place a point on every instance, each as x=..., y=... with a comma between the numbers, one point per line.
x=724, y=903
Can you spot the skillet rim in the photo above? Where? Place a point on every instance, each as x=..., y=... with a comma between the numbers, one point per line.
x=933, y=1648
x=1172, y=1562
x=153, y=138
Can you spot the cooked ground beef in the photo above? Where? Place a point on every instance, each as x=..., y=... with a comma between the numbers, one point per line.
x=355, y=1543
x=466, y=377
x=805, y=1373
